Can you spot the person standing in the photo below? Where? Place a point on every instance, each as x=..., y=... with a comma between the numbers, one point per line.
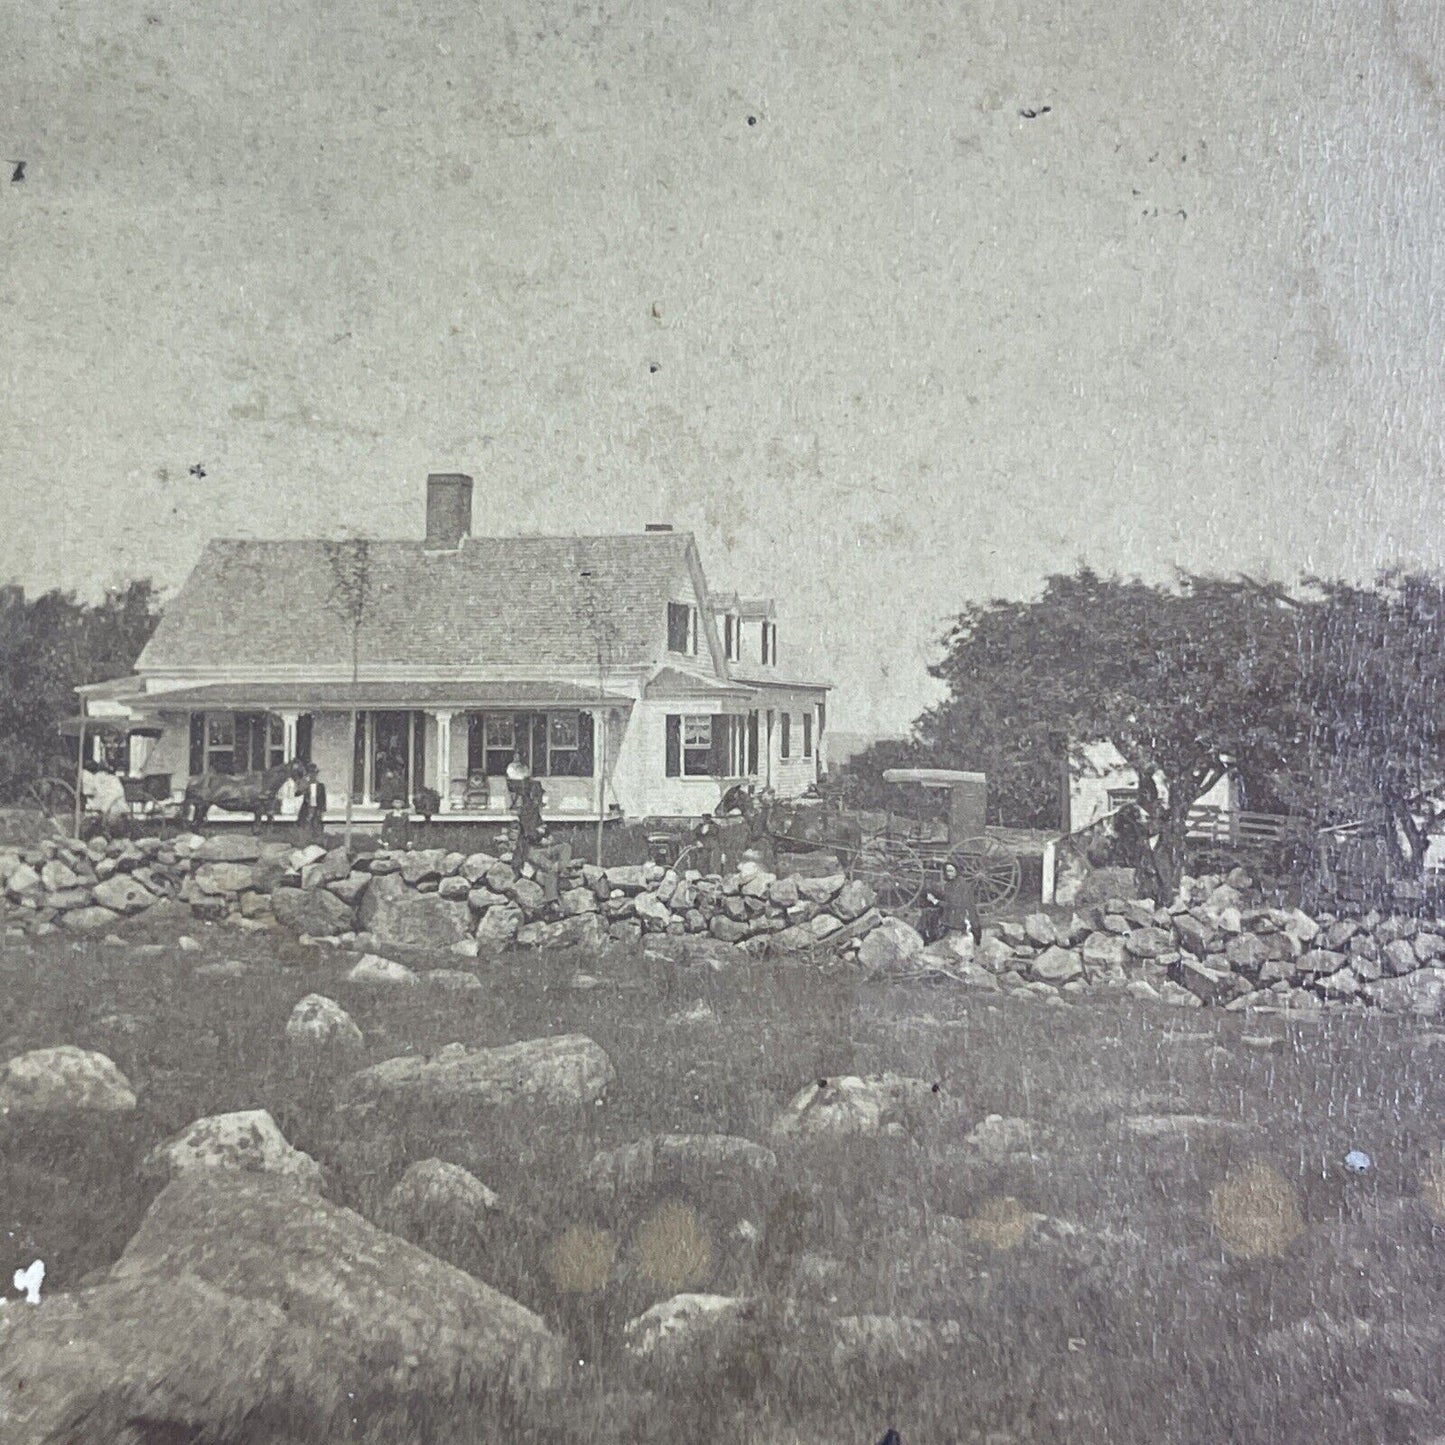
x=518, y=776
x=529, y=822
x=312, y=816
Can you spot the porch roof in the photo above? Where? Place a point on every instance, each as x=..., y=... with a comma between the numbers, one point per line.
x=340, y=696
x=670, y=682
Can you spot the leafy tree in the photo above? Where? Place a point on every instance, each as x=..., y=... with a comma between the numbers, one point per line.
x=1375, y=676
x=1186, y=681
x=50, y=645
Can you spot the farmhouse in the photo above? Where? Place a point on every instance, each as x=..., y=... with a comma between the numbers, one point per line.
x=628, y=686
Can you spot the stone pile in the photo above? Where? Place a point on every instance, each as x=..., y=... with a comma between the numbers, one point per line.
x=427, y=899
x=1213, y=947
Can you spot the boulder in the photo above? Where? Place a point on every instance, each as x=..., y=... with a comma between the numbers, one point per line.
x=673, y=1161
x=1429, y=947
x=888, y=1104
x=577, y=900
x=783, y=892
x=223, y=878
x=123, y=894
x=1324, y=960
x=454, y=887
x=1148, y=942
x=88, y=920
x=23, y=880
x=453, y=980
x=566, y=1070
x=63, y=1079
x=246, y=1142
x=422, y=865
x=1057, y=965
x=649, y=905
x=1300, y=926
x=350, y=888
x=320, y=1023
x=854, y=899
x=475, y=866
x=1248, y=953
x=630, y=878
x=417, y=920
x=994, y=954
x=314, y=911
x=674, y=1331
x=481, y=898
x=582, y=928
x=499, y=926
x=1421, y=993
x=1208, y=985
x=227, y=848
x=55, y=876
x=820, y=889
x=527, y=894
x=1039, y=930
x=1105, y=950
x=251, y=1300
x=729, y=930
x=892, y=945
x=330, y=868
x=1398, y=957
x=1344, y=984
x=436, y=1198
x=372, y=969
x=1194, y=934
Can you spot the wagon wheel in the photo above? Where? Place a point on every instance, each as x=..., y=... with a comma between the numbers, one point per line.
x=55, y=798
x=891, y=869
x=990, y=868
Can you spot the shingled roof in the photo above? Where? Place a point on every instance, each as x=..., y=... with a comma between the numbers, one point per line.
x=496, y=602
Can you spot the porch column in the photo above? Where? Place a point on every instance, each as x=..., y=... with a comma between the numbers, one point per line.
x=444, y=760
x=288, y=735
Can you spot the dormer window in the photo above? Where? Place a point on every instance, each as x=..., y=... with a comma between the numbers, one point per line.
x=769, y=640
x=682, y=628
x=732, y=638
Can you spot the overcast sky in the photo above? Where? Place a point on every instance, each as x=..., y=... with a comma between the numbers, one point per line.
x=911, y=347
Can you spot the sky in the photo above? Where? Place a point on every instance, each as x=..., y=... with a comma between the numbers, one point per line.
x=801, y=278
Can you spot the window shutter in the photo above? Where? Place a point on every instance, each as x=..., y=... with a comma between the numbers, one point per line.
x=720, y=733
x=418, y=756
x=785, y=749
x=674, y=745
x=807, y=734
x=586, y=748
x=676, y=627
x=303, y=737
x=753, y=743
x=198, y=744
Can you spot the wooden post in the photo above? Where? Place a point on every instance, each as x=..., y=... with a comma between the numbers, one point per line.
x=79, y=777
x=599, y=761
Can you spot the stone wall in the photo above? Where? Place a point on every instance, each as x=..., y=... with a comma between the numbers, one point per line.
x=419, y=898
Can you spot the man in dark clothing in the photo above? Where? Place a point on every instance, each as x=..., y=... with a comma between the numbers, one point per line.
x=312, y=817
x=529, y=822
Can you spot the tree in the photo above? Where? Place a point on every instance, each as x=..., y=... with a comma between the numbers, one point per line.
x=350, y=564
x=1186, y=681
x=49, y=646
x=1375, y=675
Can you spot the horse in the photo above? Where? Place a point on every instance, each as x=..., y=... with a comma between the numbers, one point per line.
x=253, y=793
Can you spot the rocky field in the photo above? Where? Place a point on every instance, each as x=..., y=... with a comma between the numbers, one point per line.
x=1111, y=1176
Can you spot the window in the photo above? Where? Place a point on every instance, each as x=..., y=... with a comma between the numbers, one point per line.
x=769, y=642
x=807, y=734
x=1118, y=797
x=732, y=638
x=696, y=745
x=220, y=747
x=693, y=743
x=569, y=745
x=785, y=741
x=682, y=628
x=499, y=742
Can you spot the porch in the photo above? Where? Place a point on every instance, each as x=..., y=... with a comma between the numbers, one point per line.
x=422, y=749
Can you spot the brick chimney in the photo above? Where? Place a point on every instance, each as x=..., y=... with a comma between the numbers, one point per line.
x=448, y=510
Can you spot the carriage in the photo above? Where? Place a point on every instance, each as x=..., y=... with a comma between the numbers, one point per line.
x=898, y=859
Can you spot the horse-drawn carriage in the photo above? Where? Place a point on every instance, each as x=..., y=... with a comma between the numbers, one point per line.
x=897, y=858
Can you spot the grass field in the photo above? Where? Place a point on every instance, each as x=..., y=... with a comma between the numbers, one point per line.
x=1118, y=1274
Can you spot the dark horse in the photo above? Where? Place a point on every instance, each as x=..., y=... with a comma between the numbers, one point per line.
x=253, y=793
x=791, y=825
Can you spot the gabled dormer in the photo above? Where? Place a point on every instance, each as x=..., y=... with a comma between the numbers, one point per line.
x=758, y=627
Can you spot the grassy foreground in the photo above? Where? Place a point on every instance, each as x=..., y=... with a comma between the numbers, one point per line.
x=1119, y=1275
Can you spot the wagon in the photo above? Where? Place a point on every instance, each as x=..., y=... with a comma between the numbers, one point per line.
x=898, y=864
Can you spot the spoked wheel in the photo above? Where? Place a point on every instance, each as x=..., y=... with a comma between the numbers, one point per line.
x=891, y=869
x=991, y=869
